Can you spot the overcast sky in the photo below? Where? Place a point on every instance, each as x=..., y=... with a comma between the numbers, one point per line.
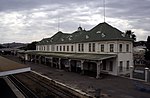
x=33, y=20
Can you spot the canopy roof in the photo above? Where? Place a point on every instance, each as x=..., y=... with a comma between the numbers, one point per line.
x=84, y=56
x=10, y=67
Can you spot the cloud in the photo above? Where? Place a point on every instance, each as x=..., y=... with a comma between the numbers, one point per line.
x=29, y=20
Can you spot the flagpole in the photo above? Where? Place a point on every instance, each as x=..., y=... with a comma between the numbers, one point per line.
x=104, y=9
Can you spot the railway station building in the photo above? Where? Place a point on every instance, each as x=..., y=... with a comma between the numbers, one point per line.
x=102, y=49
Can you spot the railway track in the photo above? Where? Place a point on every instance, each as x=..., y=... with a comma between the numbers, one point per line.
x=49, y=86
x=22, y=88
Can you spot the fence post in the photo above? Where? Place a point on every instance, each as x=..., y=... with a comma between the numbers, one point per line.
x=146, y=74
x=131, y=72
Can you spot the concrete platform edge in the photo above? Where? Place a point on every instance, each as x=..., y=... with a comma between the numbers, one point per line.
x=13, y=88
x=15, y=71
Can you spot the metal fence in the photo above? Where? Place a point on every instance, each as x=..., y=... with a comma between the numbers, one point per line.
x=139, y=74
x=142, y=74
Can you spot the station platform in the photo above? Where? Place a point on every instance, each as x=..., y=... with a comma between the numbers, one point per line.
x=8, y=67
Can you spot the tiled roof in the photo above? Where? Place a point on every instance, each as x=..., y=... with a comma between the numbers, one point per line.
x=101, y=32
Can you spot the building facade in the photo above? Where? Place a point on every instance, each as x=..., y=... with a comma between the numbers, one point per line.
x=103, y=49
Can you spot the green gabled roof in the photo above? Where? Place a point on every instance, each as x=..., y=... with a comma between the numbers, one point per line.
x=101, y=32
x=104, y=31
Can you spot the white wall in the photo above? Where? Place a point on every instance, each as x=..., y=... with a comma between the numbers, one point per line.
x=86, y=47
x=121, y=56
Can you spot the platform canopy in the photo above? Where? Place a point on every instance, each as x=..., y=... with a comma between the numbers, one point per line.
x=83, y=56
x=8, y=67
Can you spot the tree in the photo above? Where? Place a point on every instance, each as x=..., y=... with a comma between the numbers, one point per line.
x=31, y=46
x=148, y=43
x=1, y=46
x=131, y=34
x=133, y=37
x=147, y=52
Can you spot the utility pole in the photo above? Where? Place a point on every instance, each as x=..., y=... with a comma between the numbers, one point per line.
x=104, y=9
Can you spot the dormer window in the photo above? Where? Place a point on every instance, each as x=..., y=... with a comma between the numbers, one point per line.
x=70, y=38
x=86, y=36
x=103, y=35
x=98, y=32
x=123, y=35
x=51, y=40
x=62, y=39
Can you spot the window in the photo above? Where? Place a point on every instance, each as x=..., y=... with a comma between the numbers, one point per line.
x=72, y=48
x=67, y=48
x=128, y=64
x=120, y=47
x=111, y=47
x=40, y=48
x=57, y=48
x=60, y=48
x=93, y=47
x=121, y=66
x=82, y=47
x=89, y=47
x=47, y=48
x=44, y=48
x=111, y=66
x=63, y=48
x=127, y=47
x=79, y=47
x=102, y=48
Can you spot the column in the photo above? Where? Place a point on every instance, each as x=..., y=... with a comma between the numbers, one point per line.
x=45, y=60
x=82, y=67
x=146, y=74
x=26, y=57
x=59, y=63
x=51, y=61
x=34, y=58
x=39, y=59
x=131, y=72
x=69, y=63
x=98, y=69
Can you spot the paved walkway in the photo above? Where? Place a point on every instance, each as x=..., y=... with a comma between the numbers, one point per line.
x=111, y=86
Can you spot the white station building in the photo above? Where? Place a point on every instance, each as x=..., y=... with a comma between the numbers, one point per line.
x=103, y=49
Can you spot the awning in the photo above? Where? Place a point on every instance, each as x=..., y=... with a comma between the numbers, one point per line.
x=8, y=67
x=84, y=56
